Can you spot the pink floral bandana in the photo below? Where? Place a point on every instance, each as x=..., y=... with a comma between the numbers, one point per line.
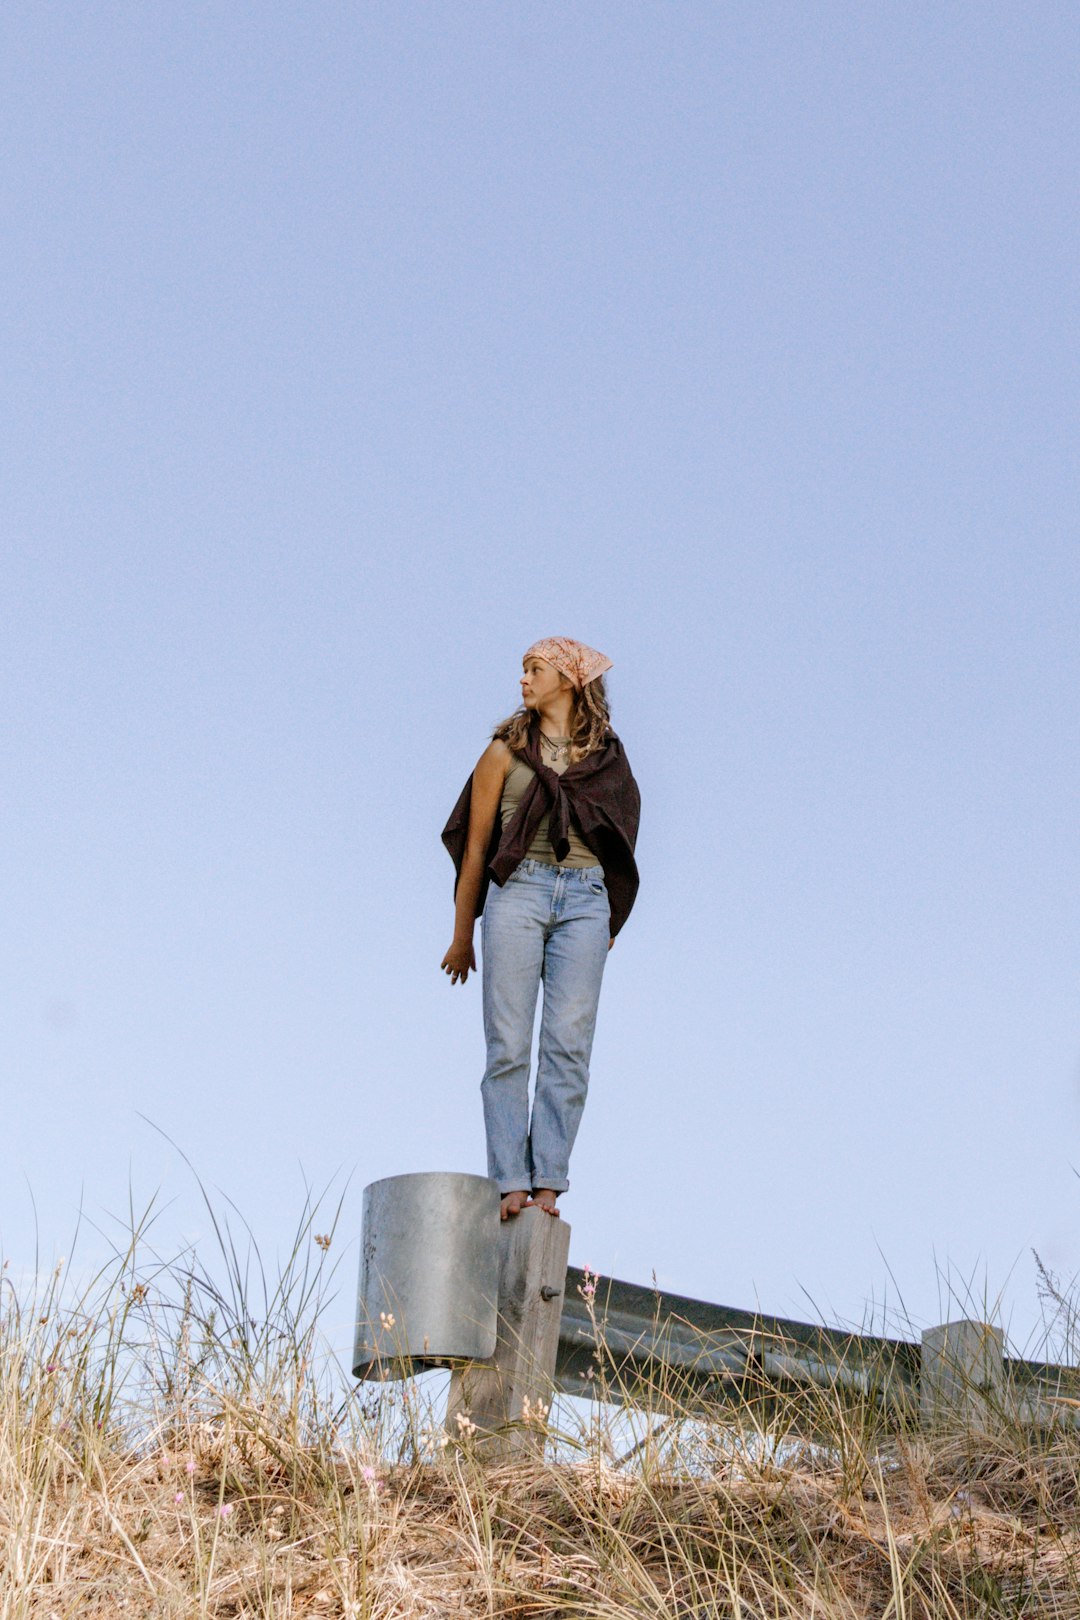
x=573, y=659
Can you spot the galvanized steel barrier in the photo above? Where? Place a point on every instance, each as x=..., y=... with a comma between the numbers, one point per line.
x=712, y=1353
x=444, y=1282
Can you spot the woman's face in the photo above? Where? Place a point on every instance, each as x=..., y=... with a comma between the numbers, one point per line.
x=539, y=681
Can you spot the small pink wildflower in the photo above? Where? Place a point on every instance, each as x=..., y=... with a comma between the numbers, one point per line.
x=368, y=1474
x=190, y=1465
x=225, y=1509
x=179, y=1497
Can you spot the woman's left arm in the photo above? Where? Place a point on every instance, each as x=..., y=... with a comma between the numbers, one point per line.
x=487, y=786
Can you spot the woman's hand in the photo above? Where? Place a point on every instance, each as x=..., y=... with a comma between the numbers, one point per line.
x=459, y=961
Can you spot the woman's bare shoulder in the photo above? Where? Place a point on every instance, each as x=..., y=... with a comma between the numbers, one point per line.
x=496, y=759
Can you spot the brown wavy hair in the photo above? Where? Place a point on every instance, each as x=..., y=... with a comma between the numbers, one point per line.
x=590, y=722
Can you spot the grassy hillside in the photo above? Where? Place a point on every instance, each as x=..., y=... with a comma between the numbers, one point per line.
x=177, y=1444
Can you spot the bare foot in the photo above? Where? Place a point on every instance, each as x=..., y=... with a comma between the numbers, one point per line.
x=513, y=1203
x=546, y=1199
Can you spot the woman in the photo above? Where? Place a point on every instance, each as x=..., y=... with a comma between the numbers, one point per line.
x=550, y=817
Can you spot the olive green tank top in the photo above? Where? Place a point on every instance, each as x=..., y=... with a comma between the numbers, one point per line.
x=518, y=778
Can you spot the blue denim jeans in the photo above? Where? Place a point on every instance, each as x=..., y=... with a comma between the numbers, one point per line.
x=549, y=923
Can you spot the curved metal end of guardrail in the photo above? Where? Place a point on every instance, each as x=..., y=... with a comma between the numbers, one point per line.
x=429, y=1273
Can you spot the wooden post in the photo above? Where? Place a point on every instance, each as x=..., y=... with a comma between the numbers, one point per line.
x=501, y=1397
x=962, y=1374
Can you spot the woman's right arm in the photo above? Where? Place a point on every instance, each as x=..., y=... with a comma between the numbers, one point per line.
x=487, y=787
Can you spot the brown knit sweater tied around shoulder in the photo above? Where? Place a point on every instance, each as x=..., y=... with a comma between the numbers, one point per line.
x=598, y=793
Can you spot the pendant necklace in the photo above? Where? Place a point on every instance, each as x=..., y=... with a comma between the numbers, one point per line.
x=557, y=745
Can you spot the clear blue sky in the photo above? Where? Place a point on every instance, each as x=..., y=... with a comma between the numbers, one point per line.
x=347, y=349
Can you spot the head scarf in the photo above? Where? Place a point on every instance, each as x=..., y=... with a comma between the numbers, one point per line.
x=573, y=659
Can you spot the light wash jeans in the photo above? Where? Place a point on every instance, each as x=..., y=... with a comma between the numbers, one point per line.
x=550, y=923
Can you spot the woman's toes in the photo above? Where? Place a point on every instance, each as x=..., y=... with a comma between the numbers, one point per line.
x=512, y=1203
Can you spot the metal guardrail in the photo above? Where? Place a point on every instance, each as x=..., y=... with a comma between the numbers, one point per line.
x=712, y=1353
x=513, y=1319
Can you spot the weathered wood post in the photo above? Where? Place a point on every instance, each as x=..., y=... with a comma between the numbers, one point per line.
x=503, y=1403
x=962, y=1374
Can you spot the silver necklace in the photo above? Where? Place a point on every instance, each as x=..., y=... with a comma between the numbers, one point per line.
x=557, y=745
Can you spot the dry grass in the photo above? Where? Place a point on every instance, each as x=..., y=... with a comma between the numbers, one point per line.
x=166, y=1450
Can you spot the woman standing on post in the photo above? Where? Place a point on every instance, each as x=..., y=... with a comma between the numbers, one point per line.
x=550, y=818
